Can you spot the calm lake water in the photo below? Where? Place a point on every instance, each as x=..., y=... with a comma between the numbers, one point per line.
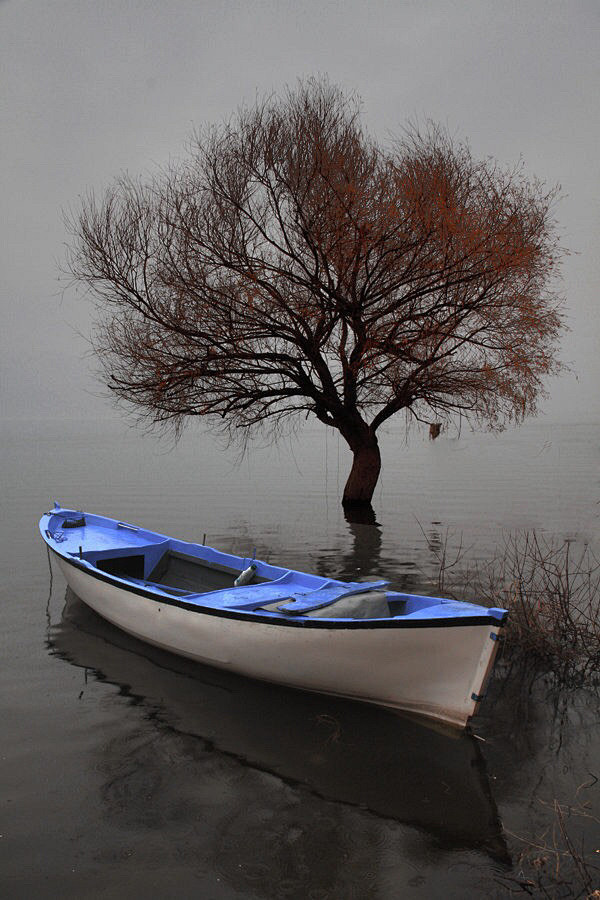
x=129, y=772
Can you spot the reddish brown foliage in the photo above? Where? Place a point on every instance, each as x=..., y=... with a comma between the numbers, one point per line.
x=292, y=265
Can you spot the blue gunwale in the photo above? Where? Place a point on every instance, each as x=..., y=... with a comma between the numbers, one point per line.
x=101, y=535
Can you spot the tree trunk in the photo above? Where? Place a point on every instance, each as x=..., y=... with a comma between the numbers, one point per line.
x=364, y=473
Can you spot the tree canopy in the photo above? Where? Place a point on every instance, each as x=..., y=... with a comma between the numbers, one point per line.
x=292, y=265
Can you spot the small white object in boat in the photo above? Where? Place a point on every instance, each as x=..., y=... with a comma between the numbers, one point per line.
x=245, y=577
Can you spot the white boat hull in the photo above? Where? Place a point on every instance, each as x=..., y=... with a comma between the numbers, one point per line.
x=437, y=671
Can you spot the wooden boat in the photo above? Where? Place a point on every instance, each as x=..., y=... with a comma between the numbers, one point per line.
x=424, y=655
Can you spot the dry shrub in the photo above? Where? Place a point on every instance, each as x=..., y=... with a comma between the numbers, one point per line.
x=552, y=592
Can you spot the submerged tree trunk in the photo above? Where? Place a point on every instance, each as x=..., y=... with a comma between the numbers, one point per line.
x=364, y=473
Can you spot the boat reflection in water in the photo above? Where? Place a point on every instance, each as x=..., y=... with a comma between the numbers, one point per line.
x=341, y=751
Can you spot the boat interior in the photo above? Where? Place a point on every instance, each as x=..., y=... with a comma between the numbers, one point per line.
x=184, y=575
x=193, y=571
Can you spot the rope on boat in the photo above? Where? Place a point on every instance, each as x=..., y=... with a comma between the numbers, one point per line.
x=48, y=620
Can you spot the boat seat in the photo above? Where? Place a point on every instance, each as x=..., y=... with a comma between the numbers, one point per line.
x=257, y=596
x=283, y=598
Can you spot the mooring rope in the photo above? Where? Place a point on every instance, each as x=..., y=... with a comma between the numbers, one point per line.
x=48, y=617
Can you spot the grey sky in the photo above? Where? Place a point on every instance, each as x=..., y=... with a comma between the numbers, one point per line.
x=89, y=89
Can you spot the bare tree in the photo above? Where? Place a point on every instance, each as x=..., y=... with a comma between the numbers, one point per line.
x=292, y=265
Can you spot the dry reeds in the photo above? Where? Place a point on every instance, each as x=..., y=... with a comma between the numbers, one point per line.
x=553, y=595
x=552, y=592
